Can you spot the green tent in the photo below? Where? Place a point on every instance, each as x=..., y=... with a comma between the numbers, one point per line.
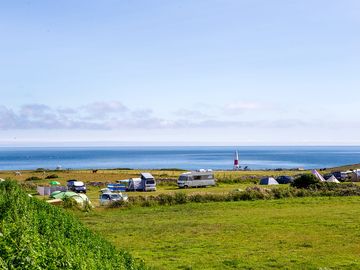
x=54, y=183
x=62, y=194
x=78, y=197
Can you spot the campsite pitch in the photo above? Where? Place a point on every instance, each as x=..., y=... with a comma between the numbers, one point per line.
x=301, y=233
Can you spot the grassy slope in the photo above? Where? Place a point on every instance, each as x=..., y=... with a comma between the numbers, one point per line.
x=35, y=235
x=303, y=233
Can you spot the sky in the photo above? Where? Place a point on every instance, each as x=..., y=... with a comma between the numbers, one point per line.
x=205, y=72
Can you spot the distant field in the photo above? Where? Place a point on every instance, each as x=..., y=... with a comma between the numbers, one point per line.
x=227, y=180
x=301, y=233
x=112, y=175
x=116, y=174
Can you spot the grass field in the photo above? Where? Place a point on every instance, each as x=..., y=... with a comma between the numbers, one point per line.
x=297, y=233
x=301, y=233
x=112, y=175
x=225, y=180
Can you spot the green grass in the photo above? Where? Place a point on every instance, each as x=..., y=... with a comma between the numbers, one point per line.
x=299, y=233
x=36, y=235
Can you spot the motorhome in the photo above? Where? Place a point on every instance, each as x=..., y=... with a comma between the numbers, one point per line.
x=146, y=182
x=199, y=178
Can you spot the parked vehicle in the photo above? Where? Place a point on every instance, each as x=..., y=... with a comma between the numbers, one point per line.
x=76, y=186
x=109, y=197
x=341, y=176
x=200, y=178
x=146, y=182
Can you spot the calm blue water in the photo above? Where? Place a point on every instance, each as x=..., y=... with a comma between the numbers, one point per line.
x=176, y=157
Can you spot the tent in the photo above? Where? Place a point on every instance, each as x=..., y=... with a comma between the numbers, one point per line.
x=54, y=183
x=268, y=181
x=318, y=175
x=333, y=179
x=62, y=194
x=285, y=179
x=80, y=198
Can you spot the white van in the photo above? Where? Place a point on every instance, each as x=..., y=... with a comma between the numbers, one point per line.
x=200, y=178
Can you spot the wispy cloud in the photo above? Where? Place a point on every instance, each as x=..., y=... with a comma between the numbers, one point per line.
x=117, y=116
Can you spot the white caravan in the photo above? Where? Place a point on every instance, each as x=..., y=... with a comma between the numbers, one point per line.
x=200, y=178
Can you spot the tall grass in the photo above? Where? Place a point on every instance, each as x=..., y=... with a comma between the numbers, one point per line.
x=35, y=235
x=250, y=194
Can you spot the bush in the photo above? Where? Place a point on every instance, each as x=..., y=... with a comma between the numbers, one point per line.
x=69, y=203
x=305, y=181
x=180, y=197
x=36, y=235
x=117, y=204
x=33, y=178
x=166, y=199
x=279, y=193
x=52, y=176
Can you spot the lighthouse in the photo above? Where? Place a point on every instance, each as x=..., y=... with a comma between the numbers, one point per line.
x=236, y=161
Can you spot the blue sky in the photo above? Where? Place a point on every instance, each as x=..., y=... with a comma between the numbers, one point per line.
x=180, y=72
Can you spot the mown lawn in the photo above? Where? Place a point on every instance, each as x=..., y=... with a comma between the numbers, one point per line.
x=300, y=233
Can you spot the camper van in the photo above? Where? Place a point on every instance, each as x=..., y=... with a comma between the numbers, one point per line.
x=146, y=182
x=200, y=178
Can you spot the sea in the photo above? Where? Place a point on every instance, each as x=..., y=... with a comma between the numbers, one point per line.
x=184, y=157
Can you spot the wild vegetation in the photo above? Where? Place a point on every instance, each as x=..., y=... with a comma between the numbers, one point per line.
x=316, y=189
x=35, y=235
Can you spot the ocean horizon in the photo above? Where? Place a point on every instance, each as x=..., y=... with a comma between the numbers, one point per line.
x=181, y=157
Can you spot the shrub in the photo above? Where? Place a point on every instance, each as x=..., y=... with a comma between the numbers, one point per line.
x=117, y=204
x=36, y=235
x=196, y=198
x=166, y=199
x=69, y=203
x=33, y=178
x=52, y=176
x=279, y=193
x=305, y=181
x=180, y=197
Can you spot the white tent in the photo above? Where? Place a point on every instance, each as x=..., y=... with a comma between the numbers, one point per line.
x=318, y=175
x=332, y=179
x=268, y=181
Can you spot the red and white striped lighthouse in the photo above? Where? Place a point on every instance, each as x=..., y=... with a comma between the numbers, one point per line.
x=236, y=161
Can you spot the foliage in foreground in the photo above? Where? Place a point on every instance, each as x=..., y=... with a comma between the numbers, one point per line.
x=251, y=193
x=35, y=235
x=305, y=181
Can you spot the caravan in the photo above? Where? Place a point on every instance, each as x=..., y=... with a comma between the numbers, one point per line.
x=200, y=178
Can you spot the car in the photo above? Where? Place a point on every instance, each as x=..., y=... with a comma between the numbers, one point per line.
x=76, y=186
x=109, y=197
